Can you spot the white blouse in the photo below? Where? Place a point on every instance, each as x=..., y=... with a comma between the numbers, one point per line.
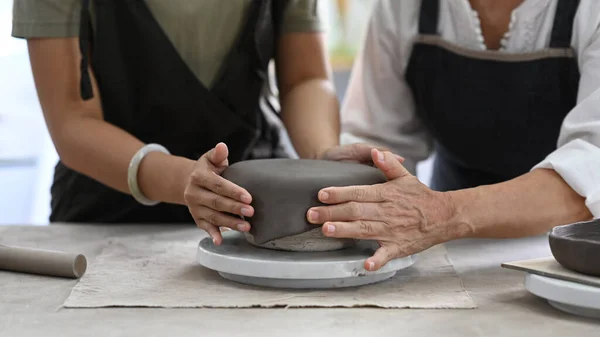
x=379, y=107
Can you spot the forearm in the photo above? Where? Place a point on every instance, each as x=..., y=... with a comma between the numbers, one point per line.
x=528, y=205
x=83, y=140
x=310, y=112
x=103, y=152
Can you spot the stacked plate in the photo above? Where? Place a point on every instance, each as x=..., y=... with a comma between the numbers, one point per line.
x=237, y=260
x=572, y=297
x=570, y=280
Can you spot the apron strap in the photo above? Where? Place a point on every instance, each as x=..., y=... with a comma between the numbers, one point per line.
x=85, y=84
x=563, y=23
x=428, y=17
x=279, y=9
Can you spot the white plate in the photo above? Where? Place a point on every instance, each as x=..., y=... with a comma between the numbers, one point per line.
x=237, y=260
x=571, y=297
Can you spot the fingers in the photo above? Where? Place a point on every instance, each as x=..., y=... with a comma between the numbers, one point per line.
x=343, y=212
x=363, y=153
x=366, y=230
x=218, y=219
x=210, y=217
x=209, y=196
x=338, y=153
x=203, y=197
x=358, y=153
x=382, y=256
x=218, y=155
x=336, y=195
x=212, y=230
x=389, y=164
x=219, y=185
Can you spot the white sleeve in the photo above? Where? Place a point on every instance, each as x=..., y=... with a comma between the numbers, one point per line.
x=378, y=108
x=577, y=158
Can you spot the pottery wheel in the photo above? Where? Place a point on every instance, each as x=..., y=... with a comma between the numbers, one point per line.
x=237, y=260
x=574, y=298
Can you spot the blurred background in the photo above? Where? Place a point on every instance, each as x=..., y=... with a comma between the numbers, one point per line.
x=27, y=156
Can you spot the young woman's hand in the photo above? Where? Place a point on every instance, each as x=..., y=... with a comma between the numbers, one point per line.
x=209, y=196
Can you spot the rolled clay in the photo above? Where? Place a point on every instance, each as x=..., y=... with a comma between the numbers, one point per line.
x=42, y=262
x=284, y=189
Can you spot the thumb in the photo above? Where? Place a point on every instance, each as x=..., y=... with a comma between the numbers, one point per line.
x=389, y=164
x=218, y=155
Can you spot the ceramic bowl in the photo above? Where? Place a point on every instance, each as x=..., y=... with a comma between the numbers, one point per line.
x=577, y=246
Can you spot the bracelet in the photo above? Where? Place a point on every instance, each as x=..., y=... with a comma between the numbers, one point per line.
x=132, y=172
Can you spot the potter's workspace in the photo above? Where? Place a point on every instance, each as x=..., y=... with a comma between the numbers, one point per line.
x=300, y=168
x=64, y=278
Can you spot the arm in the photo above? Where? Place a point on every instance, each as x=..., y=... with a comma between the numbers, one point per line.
x=528, y=205
x=563, y=188
x=407, y=217
x=83, y=140
x=377, y=107
x=309, y=106
x=91, y=146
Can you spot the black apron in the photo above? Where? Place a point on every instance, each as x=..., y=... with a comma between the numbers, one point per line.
x=147, y=89
x=493, y=115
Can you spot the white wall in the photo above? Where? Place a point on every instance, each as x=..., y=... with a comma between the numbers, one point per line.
x=26, y=153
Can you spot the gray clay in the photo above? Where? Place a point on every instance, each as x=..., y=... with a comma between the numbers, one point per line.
x=311, y=241
x=284, y=189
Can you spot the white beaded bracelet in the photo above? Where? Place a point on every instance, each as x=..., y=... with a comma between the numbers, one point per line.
x=132, y=172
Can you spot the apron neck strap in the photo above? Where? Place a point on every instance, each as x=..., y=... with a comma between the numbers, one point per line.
x=428, y=17
x=279, y=10
x=85, y=84
x=563, y=23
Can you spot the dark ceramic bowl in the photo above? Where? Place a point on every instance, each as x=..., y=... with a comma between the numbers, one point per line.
x=577, y=246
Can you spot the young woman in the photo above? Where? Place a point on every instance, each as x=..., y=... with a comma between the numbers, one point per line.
x=505, y=92
x=148, y=102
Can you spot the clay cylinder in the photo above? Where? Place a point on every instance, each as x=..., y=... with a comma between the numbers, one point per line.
x=42, y=262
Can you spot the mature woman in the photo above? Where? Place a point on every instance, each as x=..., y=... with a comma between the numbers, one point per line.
x=505, y=92
x=139, y=95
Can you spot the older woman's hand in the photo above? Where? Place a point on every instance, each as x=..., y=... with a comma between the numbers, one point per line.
x=403, y=215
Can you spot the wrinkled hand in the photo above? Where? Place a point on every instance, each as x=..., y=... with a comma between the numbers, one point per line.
x=208, y=195
x=355, y=153
x=403, y=215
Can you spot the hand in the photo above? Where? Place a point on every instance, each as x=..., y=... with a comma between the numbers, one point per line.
x=403, y=215
x=356, y=153
x=208, y=196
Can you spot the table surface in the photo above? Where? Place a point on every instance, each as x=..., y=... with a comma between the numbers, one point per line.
x=31, y=305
